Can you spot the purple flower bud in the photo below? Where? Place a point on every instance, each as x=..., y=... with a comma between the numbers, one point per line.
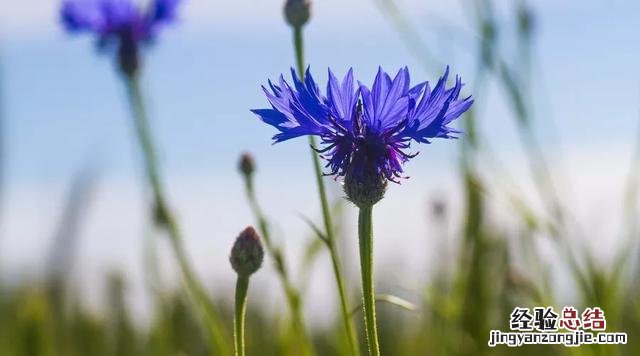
x=297, y=12
x=247, y=253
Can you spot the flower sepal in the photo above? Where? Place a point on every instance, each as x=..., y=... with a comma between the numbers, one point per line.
x=366, y=189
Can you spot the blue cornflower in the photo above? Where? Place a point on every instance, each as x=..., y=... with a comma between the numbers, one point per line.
x=120, y=24
x=366, y=132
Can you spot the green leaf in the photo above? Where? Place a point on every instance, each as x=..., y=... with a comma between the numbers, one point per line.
x=315, y=229
x=391, y=299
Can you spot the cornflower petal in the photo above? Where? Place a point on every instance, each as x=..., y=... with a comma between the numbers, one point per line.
x=296, y=111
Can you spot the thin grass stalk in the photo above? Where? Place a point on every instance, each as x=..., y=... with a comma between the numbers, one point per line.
x=365, y=237
x=630, y=249
x=326, y=215
x=409, y=34
x=630, y=202
x=167, y=222
x=2, y=136
x=291, y=293
x=516, y=91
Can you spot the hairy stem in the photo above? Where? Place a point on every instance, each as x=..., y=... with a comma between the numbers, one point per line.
x=242, y=285
x=165, y=220
x=365, y=235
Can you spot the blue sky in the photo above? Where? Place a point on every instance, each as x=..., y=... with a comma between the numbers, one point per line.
x=65, y=106
x=64, y=102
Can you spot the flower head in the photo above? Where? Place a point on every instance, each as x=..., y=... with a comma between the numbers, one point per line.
x=366, y=132
x=120, y=24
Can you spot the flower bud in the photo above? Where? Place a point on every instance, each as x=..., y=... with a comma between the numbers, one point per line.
x=247, y=253
x=297, y=12
x=247, y=165
x=366, y=189
x=439, y=209
x=525, y=19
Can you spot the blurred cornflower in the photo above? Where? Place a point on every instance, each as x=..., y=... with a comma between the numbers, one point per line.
x=122, y=28
x=119, y=24
x=366, y=132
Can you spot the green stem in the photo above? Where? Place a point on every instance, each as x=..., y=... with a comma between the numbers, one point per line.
x=298, y=41
x=2, y=134
x=291, y=293
x=365, y=235
x=298, y=44
x=242, y=285
x=165, y=219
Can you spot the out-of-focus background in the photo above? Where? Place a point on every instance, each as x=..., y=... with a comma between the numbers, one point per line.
x=535, y=204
